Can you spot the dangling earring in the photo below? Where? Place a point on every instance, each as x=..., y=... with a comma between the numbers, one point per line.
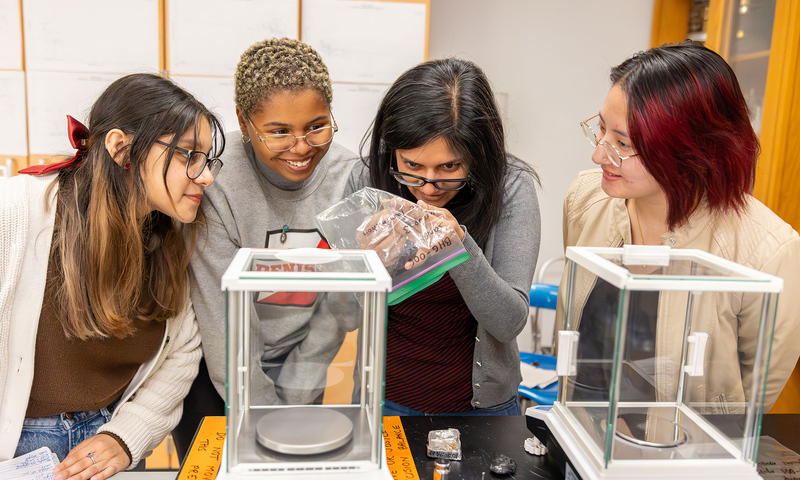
x=245, y=139
x=127, y=165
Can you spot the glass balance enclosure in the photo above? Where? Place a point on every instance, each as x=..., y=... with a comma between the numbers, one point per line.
x=652, y=377
x=305, y=362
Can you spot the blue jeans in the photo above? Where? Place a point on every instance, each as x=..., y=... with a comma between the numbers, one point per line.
x=510, y=407
x=61, y=432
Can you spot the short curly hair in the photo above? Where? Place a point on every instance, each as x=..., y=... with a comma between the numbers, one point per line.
x=279, y=64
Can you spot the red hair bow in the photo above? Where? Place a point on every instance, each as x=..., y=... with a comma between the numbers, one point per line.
x=78, y=137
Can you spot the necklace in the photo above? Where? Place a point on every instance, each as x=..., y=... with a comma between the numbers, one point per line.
x=296, y=194
x=638, y=223
x=289, y=196
x=285, y=227
x=277, y=187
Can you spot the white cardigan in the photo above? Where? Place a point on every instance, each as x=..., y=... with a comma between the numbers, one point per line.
x=153, y=402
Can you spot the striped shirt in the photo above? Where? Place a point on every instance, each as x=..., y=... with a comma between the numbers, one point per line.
x=430, y=343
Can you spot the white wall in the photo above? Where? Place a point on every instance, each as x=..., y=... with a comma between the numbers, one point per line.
x=549, y=63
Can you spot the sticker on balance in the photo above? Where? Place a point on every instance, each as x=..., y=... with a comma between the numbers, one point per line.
x=398, y=455
x=204, y=457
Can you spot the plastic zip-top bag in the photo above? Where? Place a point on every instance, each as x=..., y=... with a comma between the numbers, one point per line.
x=414, y=244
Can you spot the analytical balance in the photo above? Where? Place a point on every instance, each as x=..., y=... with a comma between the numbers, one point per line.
x=305, y=364
x=656, y=379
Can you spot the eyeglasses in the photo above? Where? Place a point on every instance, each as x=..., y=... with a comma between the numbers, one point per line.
x=196, y=161
x=612, y=153
x=282, y=142
x=449, y=184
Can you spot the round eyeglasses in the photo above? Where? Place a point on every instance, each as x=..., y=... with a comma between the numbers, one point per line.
x=448, y=184
x=612, y=153
x=196, y=161
x=282, y=142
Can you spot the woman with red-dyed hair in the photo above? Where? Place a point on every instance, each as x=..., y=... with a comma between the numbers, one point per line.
x=677, y=156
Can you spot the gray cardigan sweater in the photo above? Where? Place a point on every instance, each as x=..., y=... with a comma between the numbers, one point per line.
x=495, y=283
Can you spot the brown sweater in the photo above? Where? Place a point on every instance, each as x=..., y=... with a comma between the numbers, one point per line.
x=72, y=375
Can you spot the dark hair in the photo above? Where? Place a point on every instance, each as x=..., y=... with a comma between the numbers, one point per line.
x=453, y=100
x=688, y=121
x=119, y=260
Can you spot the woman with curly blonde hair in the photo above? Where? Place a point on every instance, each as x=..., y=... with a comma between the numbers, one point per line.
x=285, y=169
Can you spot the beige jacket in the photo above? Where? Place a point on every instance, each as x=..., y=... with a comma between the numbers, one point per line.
x=757, y=238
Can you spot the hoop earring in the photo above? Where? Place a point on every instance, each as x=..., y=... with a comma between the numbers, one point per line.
x=245, y=139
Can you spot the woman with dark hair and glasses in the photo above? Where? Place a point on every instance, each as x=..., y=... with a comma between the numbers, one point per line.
x=99, y=342
x=677, y=157
x=286, y=169
x=438, y=140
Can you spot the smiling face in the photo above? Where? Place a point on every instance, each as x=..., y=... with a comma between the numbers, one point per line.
x=631, y=179
x=182, y=200
x=288, y=112
x=434, y=161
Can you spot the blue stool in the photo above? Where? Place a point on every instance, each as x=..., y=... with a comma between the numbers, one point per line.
x=542, y=296
x=542, y=396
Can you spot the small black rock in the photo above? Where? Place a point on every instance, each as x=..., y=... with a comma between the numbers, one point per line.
x=503, y=465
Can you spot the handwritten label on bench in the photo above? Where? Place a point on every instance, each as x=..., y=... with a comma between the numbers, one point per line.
x=204, y=457
x=398, y=454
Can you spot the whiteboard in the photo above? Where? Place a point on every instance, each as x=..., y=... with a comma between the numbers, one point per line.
x=13, y=139
x=10, y=36
x=216, y=93
x=104, y=36
x=364, y=41
x=207, y=37
x=51, y=97
x=354, y=107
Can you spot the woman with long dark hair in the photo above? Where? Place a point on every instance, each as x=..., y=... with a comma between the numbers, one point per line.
x=437, y=140
x=99, y=343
